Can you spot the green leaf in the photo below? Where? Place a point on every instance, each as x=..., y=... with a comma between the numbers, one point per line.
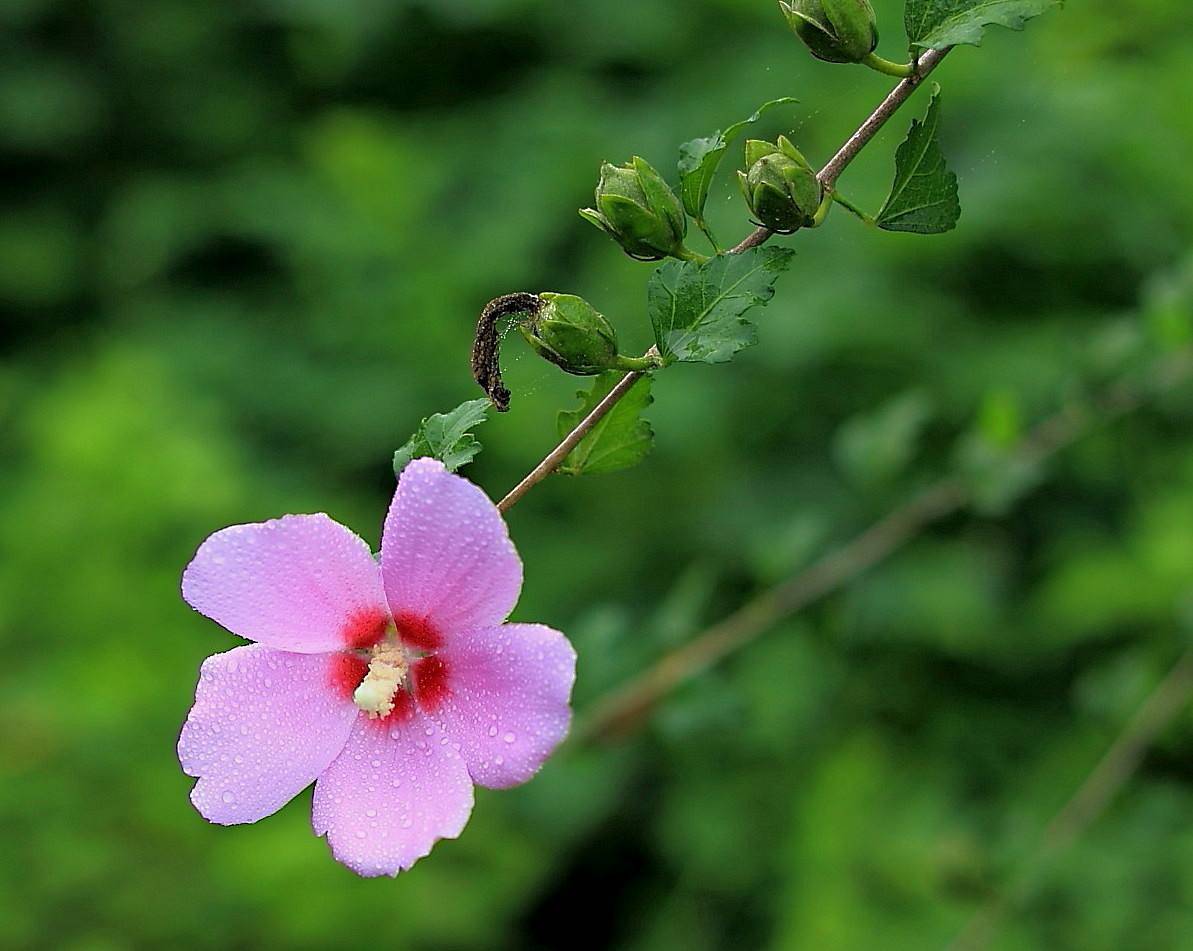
x=445, y=436
x=923, y=197
x=696, y=309
x=700, y=158
x=621, y=439
x=935, y=24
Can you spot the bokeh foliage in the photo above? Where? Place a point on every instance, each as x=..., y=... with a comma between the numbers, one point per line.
x=242, y=251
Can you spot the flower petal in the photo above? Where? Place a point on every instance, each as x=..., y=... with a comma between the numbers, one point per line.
x=446, y=556
x=506, y=704
x=395, y=790
x=264, y=725
x=300, y=583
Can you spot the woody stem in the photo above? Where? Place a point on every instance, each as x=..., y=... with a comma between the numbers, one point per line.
x=828, y=177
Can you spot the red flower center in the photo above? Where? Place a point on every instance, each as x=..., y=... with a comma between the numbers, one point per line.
x=390, y=667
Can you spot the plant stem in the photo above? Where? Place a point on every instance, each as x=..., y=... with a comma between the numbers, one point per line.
x=861, y=138
x=707, y=229
x=902, y=70
x=642, y=364
x=623, y=707
x=850, y=206
x=687, y=254
x=826, y=205
x=620, y=710
x=552, y=460
x=1166, y=701
x=828, y=177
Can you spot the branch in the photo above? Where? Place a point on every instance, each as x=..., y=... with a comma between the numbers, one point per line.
x=552, y=460
x=861, y=138
x=624, y=707
x=621, y=709
x=827, y=175
x=1083, y=808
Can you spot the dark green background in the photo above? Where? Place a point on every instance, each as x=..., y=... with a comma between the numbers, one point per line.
x=242, y=251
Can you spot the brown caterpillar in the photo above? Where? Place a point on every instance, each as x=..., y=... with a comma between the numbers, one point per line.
x=486, y=346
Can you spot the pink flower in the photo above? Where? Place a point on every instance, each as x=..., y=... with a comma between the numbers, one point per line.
x=392, y=687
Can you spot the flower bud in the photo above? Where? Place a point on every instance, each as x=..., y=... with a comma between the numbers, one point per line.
x=837, y=31
x=638, y=209
x=780, y=186
x=570, y=333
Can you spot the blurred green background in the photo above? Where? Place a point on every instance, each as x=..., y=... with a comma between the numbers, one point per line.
x=241, y=255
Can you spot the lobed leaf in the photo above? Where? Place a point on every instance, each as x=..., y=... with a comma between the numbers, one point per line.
x=445, y=436
x=936, y=24
x=696, y=309
x=620, y=440
x=923, y=196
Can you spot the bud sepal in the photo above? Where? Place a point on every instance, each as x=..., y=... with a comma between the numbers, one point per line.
x=780, y=186
x=569, y=332
x=836, y=31
x=638, y=209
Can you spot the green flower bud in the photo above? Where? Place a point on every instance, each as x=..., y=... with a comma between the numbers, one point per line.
x=570, y=333
x=780, y=186
x=837, y=31
x=638, y=209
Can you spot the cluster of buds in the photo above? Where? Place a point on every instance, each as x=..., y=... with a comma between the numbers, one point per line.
x=638, y=209
x=836, y=31
x=780, y=186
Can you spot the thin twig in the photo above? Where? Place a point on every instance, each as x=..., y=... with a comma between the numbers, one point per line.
x=1103, y=783
x=827, y=175
x=860, y=139
x=625, y=706
x=552, y=460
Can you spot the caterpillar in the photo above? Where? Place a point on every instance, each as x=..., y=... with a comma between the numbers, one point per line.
x=486, y=346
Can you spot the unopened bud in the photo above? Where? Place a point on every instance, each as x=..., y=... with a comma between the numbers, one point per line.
x=637, y=208
x=780, y=186
x=572, y=334
x=837, y=31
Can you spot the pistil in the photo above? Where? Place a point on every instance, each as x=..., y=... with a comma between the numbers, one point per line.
x=387, y=675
